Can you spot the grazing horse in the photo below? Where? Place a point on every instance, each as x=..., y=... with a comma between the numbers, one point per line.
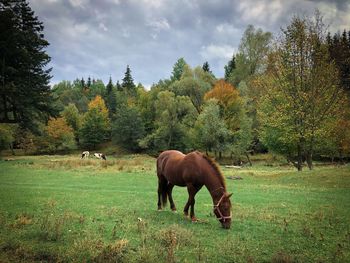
x=193, y=171
x=85, y=155
x=100, y=156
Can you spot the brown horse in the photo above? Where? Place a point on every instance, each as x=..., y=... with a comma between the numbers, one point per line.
x=192, y=170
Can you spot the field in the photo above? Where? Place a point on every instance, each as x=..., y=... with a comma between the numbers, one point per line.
x=63, y=209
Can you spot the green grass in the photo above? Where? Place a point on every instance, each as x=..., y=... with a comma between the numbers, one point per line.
x=61, y=208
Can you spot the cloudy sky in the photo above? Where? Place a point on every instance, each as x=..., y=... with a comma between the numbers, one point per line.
x=98, y=38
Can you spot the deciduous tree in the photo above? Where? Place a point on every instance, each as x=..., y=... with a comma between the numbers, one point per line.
x=302, y=91
x=60, y=134
x=95, y=127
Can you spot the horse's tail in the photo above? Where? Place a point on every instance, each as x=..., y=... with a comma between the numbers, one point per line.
x=162, y=184
x=163, y=188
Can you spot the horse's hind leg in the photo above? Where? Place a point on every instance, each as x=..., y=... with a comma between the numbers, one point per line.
x=159, y=195
x=170, y=196
x=162, y=191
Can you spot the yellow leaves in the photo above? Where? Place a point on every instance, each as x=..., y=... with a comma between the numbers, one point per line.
x=99, y=104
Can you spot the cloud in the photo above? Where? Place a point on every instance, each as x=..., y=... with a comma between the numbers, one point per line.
x=103, y=26
x=217, y=52
x=158, y=25
x=99, y=38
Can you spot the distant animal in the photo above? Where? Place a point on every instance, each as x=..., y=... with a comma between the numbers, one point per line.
x=100, y=156
x=85, y=155
x=193, y=171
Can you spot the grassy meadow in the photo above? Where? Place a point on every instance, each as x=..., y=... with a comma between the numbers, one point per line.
x=64, y=209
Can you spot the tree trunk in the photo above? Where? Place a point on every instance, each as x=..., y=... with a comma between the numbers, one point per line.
x=309, y=160
x=299, y=164
x=12, y=150
x=250, y=163
x=220, y=155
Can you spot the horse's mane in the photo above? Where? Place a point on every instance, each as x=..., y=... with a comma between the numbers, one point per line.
x=216, y=168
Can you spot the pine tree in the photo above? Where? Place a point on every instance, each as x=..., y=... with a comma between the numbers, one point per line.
x=89, y=82
x=111, y=98
x=178, y=69
x=339, y=49
x=206, y=67
x=25, y=94
x=230, y=67
x=128, y=83
x=119, y=87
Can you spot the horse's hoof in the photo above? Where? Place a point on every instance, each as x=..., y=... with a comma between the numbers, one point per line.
x=194, y=220
x=159, y=210
x=174, y=211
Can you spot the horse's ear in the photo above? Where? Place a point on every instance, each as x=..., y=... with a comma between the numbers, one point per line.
x=229, y=195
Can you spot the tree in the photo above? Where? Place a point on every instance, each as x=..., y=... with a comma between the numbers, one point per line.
x=128, y=83
x=178, y=69
x=251, y=56
x=302, y=91
x=111, y=100
x=230, y=102
x=119, y=87
x=175, y=115
x=6, y=136
x=339, y=50
x=73, y=119
x=128, y=128
x=25, y=95
x=230, y=67
x=95, y=127
x=210, y=131
x=233, y=112
x=96, y=88
x=206, y=67
x=60, y=135
x=194, y=84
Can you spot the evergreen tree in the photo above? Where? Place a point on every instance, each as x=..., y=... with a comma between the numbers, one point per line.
x=82, y=83
x=230, y=67
x=128, y=83
x=178, y=69
x=25, y=96
x=128, y=128
x=119, y=87
x=206, y=67
x=89, y=82
x=111, y=100
x=339, y=49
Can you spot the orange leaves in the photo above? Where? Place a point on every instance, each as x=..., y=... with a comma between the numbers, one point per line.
x=58, y=128
x=224, y=92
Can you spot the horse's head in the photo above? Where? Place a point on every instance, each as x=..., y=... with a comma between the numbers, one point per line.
x=222, y=210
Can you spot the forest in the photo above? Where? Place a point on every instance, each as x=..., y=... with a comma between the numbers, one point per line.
x=286, y=94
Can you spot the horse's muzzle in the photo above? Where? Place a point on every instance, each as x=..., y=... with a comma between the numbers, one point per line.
x=226, y=225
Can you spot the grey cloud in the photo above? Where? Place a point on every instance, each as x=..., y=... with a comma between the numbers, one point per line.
x=99, y=38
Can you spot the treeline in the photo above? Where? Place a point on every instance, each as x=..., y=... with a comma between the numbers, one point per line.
x=288, y=95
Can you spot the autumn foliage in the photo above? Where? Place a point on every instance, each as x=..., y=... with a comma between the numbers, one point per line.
x=224, y=92
x=60, y=134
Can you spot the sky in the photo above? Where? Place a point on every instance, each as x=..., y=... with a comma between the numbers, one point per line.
x=99, y=38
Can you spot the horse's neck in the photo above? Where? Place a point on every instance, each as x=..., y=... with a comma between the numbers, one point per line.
x=216, y=189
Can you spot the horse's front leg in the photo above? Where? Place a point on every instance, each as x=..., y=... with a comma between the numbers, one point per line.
x=192, y=190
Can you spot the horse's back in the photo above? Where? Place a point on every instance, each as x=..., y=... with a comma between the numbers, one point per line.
x=178, y=168
x=169, y=166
